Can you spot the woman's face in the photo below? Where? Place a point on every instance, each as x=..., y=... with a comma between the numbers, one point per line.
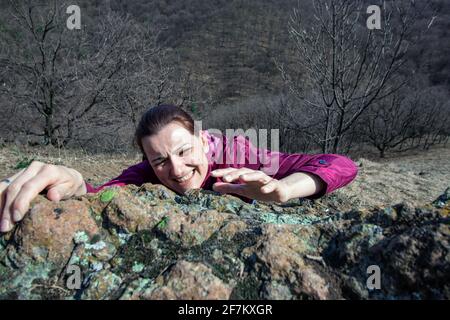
x=177, y=157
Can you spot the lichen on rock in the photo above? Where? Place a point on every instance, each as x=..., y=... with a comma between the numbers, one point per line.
x=149, y=243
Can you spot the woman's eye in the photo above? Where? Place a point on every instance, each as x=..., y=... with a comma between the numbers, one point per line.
x=161, y=163
x=184, y=152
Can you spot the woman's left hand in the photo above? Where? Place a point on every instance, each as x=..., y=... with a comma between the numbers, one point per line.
x=253, y=184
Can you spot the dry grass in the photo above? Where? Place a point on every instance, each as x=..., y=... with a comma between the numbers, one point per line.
x=416, y=178
x=96, y=168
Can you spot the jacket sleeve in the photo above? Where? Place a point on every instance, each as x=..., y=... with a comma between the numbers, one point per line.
x=336, y=171
x=137, y=174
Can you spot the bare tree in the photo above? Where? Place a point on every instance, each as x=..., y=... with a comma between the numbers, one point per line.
x=391, y=122
x=59, y=80
x=348, y=67
x=412, y=117
x=431, y=127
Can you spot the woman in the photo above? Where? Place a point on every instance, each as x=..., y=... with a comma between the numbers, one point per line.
x=182, y=160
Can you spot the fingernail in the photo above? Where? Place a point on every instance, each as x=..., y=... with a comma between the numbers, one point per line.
x=6, y=226
x=17, y=215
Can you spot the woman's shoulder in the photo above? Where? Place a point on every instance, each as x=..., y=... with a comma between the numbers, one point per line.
x=233, y=150
x=143, y=170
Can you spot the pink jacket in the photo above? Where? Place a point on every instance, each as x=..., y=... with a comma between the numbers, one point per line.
x=335, y=170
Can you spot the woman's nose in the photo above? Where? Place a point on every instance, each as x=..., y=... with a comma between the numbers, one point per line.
x=177, y=166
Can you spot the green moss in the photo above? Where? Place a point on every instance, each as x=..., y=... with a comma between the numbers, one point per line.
x=140, y=250
x=30, y=283
x=23, y=163
x=270, y=217
x=163, y=223
x=107, y=195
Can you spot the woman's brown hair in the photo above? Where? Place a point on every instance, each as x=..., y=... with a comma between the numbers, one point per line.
x=155, y=118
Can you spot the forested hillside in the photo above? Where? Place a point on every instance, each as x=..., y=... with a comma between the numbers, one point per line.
x=228, y=62
x=233, y=43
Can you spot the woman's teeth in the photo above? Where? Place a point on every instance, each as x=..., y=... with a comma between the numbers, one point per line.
x=186, y=177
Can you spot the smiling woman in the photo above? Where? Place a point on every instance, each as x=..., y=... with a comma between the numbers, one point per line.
x=182, y=159
x=176, y=156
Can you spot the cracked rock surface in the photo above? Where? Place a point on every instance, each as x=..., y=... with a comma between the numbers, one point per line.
x=149, y=243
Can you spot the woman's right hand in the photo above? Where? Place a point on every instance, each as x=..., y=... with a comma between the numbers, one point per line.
x=19, y=190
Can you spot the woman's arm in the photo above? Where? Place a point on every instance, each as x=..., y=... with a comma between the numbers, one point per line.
x=137, y=174
x=332, y=170
x=255, y=184
x=303, y=185
x=282, y=176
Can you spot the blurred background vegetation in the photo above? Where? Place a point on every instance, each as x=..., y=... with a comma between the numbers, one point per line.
x=311, y=69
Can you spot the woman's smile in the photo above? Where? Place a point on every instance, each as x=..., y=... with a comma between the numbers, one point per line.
x=185, y=177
